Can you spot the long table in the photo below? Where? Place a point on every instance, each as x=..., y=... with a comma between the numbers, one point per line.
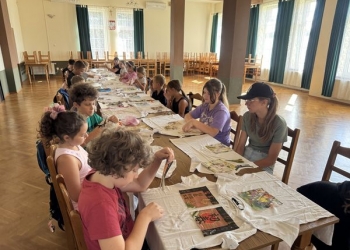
x=258, y=240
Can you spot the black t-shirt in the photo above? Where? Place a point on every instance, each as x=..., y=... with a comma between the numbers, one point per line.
x=69, y=78
x=175, y=106
x=64, y=71
x=160, y=97
x=118, y=69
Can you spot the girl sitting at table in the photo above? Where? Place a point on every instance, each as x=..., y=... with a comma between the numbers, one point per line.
x=123, y=70
x=158, y=84
x=70, y=158
x=177, y=100
x=131, y=75
x=116, y=158
x=266, y=130
x=141, y=80
x=213, y=113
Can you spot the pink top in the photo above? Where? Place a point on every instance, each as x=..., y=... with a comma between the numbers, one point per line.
x=82, y=156
x=129, y=77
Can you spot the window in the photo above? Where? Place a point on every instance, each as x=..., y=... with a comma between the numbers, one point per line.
x=218, y=35
x=266, y=31
x=125, y=31
x=303, y=15
x=343, y=71
x=98, y=31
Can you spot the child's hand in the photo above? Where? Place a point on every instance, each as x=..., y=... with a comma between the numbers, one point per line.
x=165, y=153
x=152, y=211
x=113, y=119
x=187, y=127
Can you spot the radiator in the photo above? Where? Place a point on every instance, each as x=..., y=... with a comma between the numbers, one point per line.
x=41, y=71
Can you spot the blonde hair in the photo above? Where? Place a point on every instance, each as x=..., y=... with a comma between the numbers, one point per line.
x=216, y=86
x=266, y=129
x=141, y=70
x=159, y=79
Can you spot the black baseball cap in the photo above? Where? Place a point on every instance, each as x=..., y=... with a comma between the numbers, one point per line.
x=258, y=89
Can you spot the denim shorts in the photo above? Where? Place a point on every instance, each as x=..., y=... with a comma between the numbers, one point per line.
x=255, y=155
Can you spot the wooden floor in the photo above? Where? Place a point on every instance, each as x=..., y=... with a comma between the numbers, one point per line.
x=24, y=192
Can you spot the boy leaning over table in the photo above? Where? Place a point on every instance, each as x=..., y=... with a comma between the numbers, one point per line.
x=115, y=158
x=83, y=96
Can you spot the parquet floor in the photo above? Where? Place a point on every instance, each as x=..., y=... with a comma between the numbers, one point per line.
x=24, y=193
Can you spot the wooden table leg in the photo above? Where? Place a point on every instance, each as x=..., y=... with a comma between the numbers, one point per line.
x=28, y=74
x=302, y=241
x=47, y=73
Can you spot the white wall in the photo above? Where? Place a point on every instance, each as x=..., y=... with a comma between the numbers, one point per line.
x=198, y=20
x=40, y=32
x=2, y=66
x=60, y=33
x=16, y=26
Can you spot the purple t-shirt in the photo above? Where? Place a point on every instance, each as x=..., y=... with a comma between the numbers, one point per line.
x=218, y=117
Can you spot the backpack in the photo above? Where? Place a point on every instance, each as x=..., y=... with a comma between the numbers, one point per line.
x=62, y=97
x=55, y=212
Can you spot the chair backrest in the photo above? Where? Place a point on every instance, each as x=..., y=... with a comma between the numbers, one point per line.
x=66, y=207
x=294, y=134
x=30, y=58
x=44, y=58
x=193, y=97
x=237, y=131
x=77, y=225
x=335, y=151
x=61, y=199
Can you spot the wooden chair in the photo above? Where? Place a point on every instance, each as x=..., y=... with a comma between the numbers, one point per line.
x=151, y=67
x=61, y=199
x=166, y=67
x=237, y=131
x=193, y=97
x=335, y=151
x=294, y=134
x=77, y=225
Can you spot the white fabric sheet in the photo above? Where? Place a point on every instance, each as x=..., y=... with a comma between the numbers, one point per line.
x=281, y=221
x=195, y=148
x=161, y=124
x=177, y=229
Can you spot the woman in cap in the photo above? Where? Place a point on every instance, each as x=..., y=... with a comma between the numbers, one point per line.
x=266, y=130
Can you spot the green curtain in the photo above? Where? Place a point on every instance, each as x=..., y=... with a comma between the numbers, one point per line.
x=138, y=31
x=83, y=27
x=312, y=45
x=334, y=47
x=280, y=41
x=253, y=30
x=214, y=29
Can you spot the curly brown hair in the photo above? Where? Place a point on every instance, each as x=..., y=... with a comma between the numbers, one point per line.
x=66, y=123
x=81, y=92
x=117, y=152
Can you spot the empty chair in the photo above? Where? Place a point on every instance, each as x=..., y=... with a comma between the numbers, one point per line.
x=237, y=131
x=193, y=97
x=330, y=167
x=294, y=134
